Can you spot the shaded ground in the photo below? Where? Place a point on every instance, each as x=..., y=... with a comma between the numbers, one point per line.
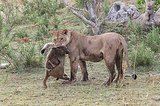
x=25, y=89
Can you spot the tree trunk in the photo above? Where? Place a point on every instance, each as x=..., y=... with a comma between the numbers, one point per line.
x=92, y=8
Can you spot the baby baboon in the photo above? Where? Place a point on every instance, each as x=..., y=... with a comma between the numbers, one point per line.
x=54, y=63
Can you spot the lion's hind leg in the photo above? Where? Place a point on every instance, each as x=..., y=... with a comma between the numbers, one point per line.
x=119, y=60
x=111, y=69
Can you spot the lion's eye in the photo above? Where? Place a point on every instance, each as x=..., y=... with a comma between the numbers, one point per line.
x=54, y=40
x=61, y=38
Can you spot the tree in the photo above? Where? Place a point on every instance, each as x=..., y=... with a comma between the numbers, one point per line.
x=40, y=13
x=91, y=14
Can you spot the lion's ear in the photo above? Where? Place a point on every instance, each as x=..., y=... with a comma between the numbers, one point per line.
x=65, y=31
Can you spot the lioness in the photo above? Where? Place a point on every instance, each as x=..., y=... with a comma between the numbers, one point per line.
x=108, y=46
x=54, y=63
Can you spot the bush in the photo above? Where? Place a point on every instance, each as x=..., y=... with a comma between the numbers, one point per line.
x=21, y=33
x=80, y=3
x=140, y=4
x=1, y=24
x=153, y=39
x=135, y=28
x=141, y=55
x=24, y=56
x=40, y=12
x=106, y=7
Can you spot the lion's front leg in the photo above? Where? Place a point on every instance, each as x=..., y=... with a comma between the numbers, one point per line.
x=83, y=70
x=74, y=68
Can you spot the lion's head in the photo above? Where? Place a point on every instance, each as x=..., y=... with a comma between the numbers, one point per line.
x=61, y=37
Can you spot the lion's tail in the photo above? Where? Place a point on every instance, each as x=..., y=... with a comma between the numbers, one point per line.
x=125, y=56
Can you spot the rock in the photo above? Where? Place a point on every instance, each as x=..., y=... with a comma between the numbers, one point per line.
x=157, y=17
x=4, y=65
x=156, y=98
x=132, y=11
x=122, y=13
x=118, y=13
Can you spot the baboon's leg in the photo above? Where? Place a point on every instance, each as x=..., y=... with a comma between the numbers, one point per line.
x=83, y=70
x=45, y=79
x=119, y=59
x=111, y=70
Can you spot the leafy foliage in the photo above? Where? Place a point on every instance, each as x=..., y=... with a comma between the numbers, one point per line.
x=142, y=55
x=142, y=45
x=106, y=7
x=40, y=12
x=80, y=3
x=21, y=33
x=153, y=39
x=140, y=4
x=24, y=56
x=135, y=29
x=10, y=18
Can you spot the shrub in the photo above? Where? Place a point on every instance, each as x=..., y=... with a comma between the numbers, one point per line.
x=80, y=3
x=21, y=33
x=141, y=55
x=153, y=39
x=1, y=24
x=157, y=4
x=135, y=28
x=11, y=18
x=106, y=7
x=140, y=4
x=24, y=56
x=40, y=12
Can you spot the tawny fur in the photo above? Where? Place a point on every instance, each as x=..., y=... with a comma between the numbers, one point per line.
x=108, y=46
x=54, y=63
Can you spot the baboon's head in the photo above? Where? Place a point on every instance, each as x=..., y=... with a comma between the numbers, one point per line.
x=47, y=47
x=60, y=51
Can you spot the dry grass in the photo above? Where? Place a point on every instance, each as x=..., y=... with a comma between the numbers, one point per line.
x=25, y=89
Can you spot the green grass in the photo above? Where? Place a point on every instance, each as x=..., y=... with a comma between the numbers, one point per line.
x=26, y=89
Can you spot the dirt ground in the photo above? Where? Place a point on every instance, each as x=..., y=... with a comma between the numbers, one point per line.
x=25, y=89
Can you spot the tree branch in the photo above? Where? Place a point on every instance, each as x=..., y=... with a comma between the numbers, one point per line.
x=78, y=14
x=78, y=9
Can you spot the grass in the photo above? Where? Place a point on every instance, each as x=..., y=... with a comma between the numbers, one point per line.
x=25, y=89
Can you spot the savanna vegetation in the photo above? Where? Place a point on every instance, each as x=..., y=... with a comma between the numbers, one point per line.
x=24, y=29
